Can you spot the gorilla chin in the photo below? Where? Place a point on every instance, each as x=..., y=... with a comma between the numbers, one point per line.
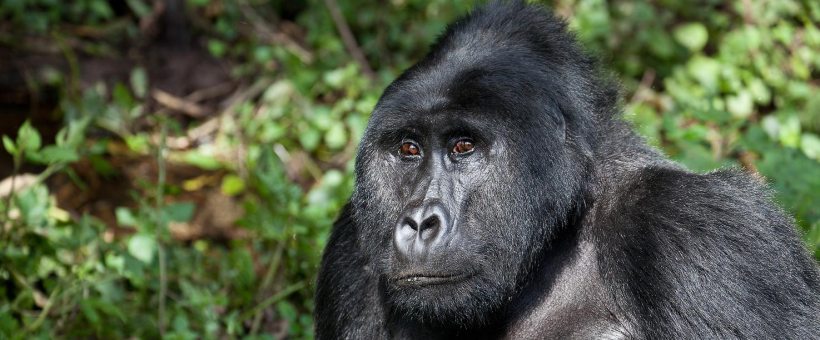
x=437, y=289
x=456, y=300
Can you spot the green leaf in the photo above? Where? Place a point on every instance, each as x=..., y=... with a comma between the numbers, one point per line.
x=142, y=247
x=790, y=132
x=705, y=70
x=661, y=46
x=179, y=211
x=771, y=125
x=28, y=138
x=336, y=137
x=693, y=36
x=8, y=322
x=217, y=48
x=356, y=123
x=322, y=118
x=121, y=96
x=54, y=154
x=115, y=262
x=138, y=143
x=263, y=53
x=101, y=9
x=89, y=312
x=232, y=185
x=202, y=160
x=33, y=204
x=335, y=78
x=759, y=91
x=125, y=217
x=752, y=37
x=332, y=178
x=799, y=68
x=741, y=105
x=810, y=144
x=139, y=7
x=9, y=145
x=180, y=323
x=139, y=82
x=309, y=139
x=286, y=310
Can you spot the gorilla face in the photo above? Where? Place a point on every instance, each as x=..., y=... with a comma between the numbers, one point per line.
x=458, y=189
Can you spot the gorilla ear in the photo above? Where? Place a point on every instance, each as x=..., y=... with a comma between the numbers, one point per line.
x=556, y=115
x=561, y=126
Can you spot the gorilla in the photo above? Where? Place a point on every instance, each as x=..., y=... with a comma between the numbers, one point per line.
x=500, y=195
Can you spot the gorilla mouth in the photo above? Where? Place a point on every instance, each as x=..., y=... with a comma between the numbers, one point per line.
x=430, y=279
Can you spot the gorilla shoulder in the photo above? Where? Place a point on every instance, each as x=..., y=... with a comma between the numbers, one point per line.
x=694, y=249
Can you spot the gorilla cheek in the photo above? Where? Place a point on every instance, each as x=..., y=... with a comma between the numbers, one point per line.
x=376, y=204
x=507, y=225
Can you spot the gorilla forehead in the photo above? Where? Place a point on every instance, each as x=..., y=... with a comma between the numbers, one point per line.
x=487, y=66
x=486, y=88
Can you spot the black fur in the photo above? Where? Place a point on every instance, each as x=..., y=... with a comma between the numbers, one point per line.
x=562, y=223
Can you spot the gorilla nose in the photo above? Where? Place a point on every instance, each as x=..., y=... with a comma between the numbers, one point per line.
x=420, y=229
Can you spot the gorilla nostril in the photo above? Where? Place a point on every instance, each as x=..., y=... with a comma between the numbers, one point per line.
x=411, y=223
x=430, y=228
x=431, y=222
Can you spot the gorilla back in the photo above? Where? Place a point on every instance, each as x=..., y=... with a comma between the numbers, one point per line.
x=499, y=195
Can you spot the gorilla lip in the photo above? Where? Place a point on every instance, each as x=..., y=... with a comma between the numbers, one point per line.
x=430, y=279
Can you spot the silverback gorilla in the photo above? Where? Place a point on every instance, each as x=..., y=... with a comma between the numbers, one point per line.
x=499, y=195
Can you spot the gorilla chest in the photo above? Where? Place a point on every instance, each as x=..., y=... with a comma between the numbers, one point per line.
x=567, y=322
x=572, y=304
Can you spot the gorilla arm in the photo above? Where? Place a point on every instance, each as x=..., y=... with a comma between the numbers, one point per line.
x=347, y=301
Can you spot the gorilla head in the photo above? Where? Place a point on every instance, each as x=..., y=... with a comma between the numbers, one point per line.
x=472, y=161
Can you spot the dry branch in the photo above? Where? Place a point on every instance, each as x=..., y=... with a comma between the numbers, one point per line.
x=348, y=39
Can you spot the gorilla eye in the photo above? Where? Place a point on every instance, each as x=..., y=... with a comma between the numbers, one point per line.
x=409, y=149
x=463, y=146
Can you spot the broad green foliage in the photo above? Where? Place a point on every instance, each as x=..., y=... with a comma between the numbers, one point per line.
x=721, y=83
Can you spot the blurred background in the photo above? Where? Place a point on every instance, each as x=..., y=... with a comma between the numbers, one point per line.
x=173, y=167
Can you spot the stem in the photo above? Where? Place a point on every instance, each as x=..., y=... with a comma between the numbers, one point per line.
x=46, y=309
x=271, y=300
x=348, y=39
x=73, y=65
x=7, y=208
x=163, y=288
x=163, y=279
x=271, y=273
x=50, y=170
